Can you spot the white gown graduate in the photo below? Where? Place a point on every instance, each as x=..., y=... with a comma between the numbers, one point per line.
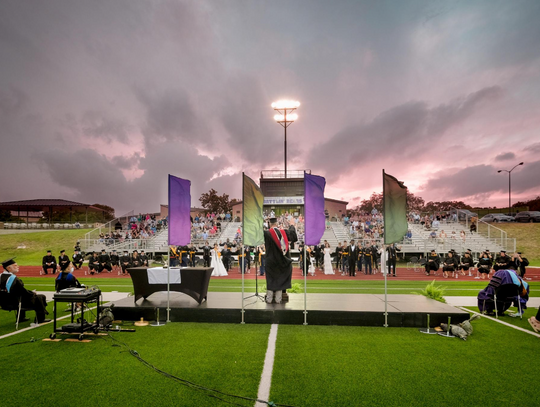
x=327, y=261
x=217, y=264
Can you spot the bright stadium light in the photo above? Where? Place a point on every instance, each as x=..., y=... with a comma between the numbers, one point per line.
x=285, y=117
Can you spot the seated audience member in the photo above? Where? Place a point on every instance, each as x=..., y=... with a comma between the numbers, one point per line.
x=433, y=262
x=66, y=279
x=13, y=285
x=450, y=265
x=49, y=263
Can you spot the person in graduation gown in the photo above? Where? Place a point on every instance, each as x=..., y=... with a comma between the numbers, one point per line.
x=63, y=260
x=136, y=260
x=368, y=260
x=392, y=258
x=66, y=279
x=278, y=262
x=93, y=263
x=115, y=260
x=352, y=252
x=226, y=257
x=49, y=263
x=125, y=262
x=450, y=265
x=433, y=262
x=192, y=251
x=466, y=262
x=502, y=261
x=144, y=259
x=520, y=263
x=337, y=254
x=14, y=286
x=174, y=256
x=104, y=261
x=77, y=259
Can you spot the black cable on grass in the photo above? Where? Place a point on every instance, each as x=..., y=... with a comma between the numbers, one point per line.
x=192, y=385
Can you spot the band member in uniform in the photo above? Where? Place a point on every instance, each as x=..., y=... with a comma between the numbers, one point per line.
x=144, y=259
x=93, y=263
x=433, y=262
x=104, y=261
x=14, y=286
x=115, y=261
x=49, y=263
x=502, y=262
x=450, y=264
x=192, y=251
x=77, y=259
x=368, y=260
x=63, y=260
x=392, y=259
x=206, y=254
x=125, y=261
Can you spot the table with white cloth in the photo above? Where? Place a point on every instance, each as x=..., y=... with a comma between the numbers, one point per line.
x=192, y=281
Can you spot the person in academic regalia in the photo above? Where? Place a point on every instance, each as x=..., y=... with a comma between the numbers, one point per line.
x=520, y=263
x=278, y=262
x=226, y=257
x=63, y=260
x=115, y=261
x=77, y=259
x=49, y=263
x=136, y=259
x=206, y=254
x=368, y=260
x=184, y=250
x=125, y=261
x=174, y=256
x=433, y=262
x=502, y=261
x=144, y=259
x=66, y=279
x=466, y=262
x=93, y=263
x=318, y=250
x=337, y=253
x=104, y=262
x=13, y=285
x=484, y=265
x=261, y=253
x=450, y=265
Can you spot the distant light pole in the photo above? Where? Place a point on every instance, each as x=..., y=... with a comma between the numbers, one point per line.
x=510, y=186
x=285, y=117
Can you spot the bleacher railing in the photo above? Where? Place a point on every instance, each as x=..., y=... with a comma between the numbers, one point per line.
x=109, y=226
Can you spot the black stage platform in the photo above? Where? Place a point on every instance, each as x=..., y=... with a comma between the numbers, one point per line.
x=323, y=309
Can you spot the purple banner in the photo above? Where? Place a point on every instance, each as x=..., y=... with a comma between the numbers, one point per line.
x=314, y=208
x=179, y=211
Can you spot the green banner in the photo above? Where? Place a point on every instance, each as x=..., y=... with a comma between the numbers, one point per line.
x=395, y=209
x=252, y=217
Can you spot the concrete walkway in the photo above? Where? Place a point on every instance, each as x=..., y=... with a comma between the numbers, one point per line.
x=458, y=301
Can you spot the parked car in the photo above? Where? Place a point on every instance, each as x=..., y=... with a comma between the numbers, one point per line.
x=497, y=217
x=528, y=216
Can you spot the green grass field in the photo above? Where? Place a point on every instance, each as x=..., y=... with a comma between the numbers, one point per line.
x=528, y=239
x=37, y=243
x=453, y=288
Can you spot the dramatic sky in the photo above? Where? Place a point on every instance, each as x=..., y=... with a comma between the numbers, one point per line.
x=100, y=100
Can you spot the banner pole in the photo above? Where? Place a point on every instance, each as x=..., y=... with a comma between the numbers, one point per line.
x=241, y=264
x=168, y=283
x=304, y=272
x=385, y=270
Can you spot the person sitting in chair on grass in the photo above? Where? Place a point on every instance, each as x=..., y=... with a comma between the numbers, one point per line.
x=12, y=286
x=66, y=279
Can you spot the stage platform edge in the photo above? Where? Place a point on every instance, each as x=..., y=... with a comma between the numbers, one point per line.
x=323, y=309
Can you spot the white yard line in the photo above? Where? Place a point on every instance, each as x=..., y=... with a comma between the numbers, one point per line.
x=502, y=322
x=266, y=377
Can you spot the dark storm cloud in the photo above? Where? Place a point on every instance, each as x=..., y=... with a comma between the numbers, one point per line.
x=404, y=129
x=126, y=163
x=102, y=126
x=483, y=180
x=505, y=156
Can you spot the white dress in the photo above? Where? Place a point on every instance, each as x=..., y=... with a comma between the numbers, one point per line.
x=217, y=264
x=327, y=261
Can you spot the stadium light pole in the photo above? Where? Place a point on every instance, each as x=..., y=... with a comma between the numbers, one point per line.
x=285, y=117
x=510, y=185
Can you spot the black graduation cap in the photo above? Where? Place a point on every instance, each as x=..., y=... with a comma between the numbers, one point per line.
x=142, y=251
x=62, y=251
x=503, y=251
x=8, y=262
x=469, y=250
x=48, y=251
x=518, y=252
x=126, y=252
x=103, y=250
x=432, y=250
x=451, y=251
x=272, y=220
x=135, y=251
x=114, y=251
